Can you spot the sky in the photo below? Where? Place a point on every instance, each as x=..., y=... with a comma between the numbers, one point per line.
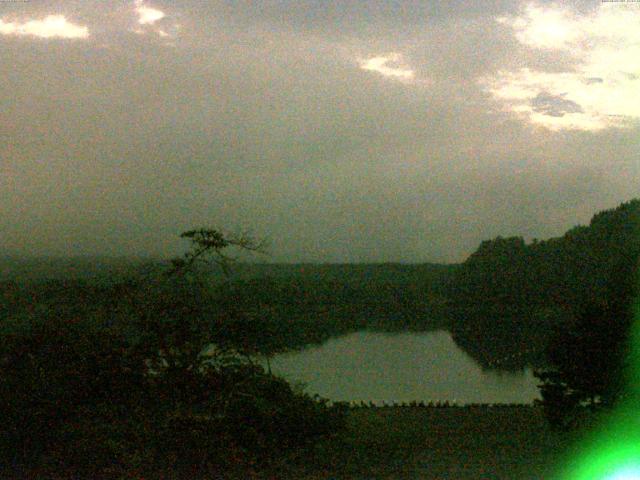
x=340, y=131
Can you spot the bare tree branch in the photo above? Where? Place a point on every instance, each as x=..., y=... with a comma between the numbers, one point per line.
x=207, y=245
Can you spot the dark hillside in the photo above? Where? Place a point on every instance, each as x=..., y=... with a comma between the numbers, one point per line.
x=286, y=305
x=508, y=296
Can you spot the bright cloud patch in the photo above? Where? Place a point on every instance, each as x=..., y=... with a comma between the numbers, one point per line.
x=53, y=26
x=601, y=90
x=148, y=15
x=544, y=27
x=148, y=18
x=388, y=66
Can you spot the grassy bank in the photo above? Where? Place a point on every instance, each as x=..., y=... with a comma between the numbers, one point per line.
x=460, y=443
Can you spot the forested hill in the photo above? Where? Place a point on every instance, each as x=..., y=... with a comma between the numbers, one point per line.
x=501, y=304
x=282, y=305
x=508, y=295
x=22, y=269
x=302, y=304
x=16, y=268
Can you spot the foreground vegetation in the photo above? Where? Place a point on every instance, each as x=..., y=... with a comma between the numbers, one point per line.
x=462, y=443
x=151, y=372
x=509, y=298
x=153, y=385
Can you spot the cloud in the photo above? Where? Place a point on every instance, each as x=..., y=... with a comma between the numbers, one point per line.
x=147, y=20
x=554, y=105
x=544, y=27
x=380, y=65
x=148, y=15
x=600, y=87
x=52, y=26
x=273, y=132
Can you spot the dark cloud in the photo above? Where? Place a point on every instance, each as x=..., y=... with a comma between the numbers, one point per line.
x=349, y=16
x=554, y=105
x=257, y=115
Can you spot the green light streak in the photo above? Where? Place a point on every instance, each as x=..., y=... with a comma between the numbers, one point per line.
x=612, y=451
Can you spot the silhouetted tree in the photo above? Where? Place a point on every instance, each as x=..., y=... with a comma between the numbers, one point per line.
x=148, y=380
x=507, y=296
x=588, y=358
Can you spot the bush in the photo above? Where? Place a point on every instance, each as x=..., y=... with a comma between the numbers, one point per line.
x=56, y=378
x=124, y=387
x=76, y=400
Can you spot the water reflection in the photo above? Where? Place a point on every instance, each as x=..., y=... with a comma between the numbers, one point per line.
x=401, y=367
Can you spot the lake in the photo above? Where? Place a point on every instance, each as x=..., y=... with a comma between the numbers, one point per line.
x=383, y=367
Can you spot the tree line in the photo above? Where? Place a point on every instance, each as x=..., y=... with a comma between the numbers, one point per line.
x=140, y=378
x=567, y=302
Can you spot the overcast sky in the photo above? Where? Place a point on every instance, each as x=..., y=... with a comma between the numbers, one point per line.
x=342, y=131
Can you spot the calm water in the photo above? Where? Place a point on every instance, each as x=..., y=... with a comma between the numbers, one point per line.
x=400, y=367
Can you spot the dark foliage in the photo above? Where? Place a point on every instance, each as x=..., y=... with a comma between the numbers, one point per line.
x=509, y=296
x=143, y=378
x=589, y=358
